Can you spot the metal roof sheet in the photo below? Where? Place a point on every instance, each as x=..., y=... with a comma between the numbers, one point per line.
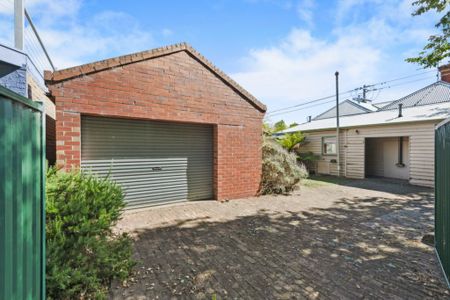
x=436, y=112
x=367, y=105
x=437, y=92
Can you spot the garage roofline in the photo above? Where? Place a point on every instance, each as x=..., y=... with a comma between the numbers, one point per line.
x=94, y=67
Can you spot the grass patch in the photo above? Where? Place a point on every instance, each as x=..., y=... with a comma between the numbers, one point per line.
x=321, y=180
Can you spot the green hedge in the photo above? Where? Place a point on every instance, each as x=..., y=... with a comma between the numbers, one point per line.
x=83, y=254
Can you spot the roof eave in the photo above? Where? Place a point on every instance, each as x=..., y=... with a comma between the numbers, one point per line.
x=367, y=125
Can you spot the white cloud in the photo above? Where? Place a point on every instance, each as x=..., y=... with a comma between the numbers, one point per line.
x=6, y=7
x=305, y=11
x=72, y=40
x=364, y=48
x=101, y=36
x=303, y=66
x=49, y=10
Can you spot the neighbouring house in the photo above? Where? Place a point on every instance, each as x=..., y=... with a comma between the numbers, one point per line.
x=392, y=140
x=166, y=124
x=19, y=74
x=349, y=107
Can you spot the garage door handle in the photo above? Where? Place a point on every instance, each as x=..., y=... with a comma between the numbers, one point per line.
x=156, y=169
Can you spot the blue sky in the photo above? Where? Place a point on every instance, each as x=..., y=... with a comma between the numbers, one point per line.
x=284, y=52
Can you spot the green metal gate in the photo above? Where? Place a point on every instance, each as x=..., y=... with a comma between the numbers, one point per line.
x=22, y=194
x=442, y=195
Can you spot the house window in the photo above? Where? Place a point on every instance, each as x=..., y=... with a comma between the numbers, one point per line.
x=329, y=145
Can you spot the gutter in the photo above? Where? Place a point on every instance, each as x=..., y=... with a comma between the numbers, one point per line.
x=369, y=125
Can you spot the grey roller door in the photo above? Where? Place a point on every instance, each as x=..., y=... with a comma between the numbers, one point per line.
x=154, y=162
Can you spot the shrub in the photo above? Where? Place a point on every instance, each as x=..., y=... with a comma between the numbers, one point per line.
x=281, y=173
x=83, y=254
x=308, y=159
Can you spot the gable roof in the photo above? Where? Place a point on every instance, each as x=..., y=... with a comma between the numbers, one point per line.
x=431, y=103
x=353, y=107
x=74, y=72
x=434, y=93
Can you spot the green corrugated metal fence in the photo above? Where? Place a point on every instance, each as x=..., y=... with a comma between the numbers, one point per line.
x=22, y=194
x=442, y=195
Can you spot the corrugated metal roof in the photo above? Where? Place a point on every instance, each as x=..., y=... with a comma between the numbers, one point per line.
x=437, y=92
x=431, y=112
x=382, y=104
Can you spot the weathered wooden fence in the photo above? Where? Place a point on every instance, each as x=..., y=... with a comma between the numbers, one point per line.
x=442, y=195
x=22, y=194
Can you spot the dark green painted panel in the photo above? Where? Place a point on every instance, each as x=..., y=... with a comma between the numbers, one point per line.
x=442, y=195
x=22, y=194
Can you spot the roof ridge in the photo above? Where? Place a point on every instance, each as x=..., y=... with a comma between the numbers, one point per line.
x=329, y=109
x=109, y=63
x=352, y=102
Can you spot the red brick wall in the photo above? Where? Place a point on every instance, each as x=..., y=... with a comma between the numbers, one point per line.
x=445, y=72
x=177, y=88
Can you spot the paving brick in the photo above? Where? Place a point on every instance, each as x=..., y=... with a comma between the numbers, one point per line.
x=316, y=244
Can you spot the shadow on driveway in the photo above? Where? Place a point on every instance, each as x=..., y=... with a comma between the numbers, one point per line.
x=360, y=247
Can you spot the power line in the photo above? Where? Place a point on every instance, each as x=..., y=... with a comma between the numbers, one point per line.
x=402, y=78
x=302, y=108
x=403, y=83
x=364, y=88
x=308, y=102
x=321, y=99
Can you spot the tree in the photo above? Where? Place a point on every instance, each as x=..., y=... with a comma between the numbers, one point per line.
x=291, y=140
x=288, y=140
x=438, y=47
x=277, y=127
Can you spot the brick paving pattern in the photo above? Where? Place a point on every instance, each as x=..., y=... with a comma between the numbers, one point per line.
x=352, y=240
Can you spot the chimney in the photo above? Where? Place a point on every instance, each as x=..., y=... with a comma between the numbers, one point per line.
x=308, y=119
x=445, y=72
x=400, y=105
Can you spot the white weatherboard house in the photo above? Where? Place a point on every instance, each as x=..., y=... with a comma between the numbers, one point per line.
x=392, y=140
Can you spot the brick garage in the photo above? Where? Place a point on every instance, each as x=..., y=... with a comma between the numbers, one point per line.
x=172, y=84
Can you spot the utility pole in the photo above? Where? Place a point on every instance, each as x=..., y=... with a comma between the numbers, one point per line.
x=364, y=88
x=337, y=124
x=19, y=23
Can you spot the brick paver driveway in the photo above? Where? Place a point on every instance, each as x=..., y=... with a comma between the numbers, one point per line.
x=351, y=240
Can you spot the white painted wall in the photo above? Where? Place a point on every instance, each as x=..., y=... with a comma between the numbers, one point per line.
x=391, y=170
x=420, y=154
x=382, y=158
